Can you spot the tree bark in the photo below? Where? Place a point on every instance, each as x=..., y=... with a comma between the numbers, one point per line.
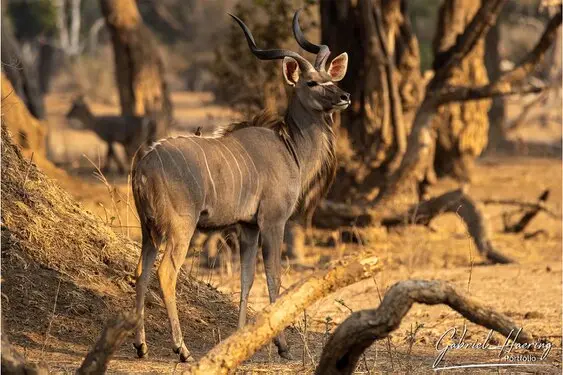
x=497, y=115
x=461, y=128
x=139, y=67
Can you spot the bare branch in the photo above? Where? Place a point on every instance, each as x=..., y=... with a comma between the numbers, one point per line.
x=505, y=84
x=528, y=65
x=227, y=355
x=539, y=205
x=362, y=328
x=445, y=62
x=528, y=216
x=461, y=94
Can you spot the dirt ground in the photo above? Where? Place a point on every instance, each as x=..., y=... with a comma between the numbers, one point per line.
x=528, y=291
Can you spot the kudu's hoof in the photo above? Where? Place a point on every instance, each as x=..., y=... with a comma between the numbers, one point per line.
x=142, y=350
x=185, y=355
x=285, y=354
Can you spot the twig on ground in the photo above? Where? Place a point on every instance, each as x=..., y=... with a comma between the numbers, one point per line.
x=521, y=224
x=51, y=319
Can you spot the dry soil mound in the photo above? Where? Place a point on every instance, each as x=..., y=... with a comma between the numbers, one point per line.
x=64, y=273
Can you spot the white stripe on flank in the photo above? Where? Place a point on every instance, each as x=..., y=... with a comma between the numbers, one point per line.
x=207, y=166
x=254, y=165
x=248, y=170
x=187, y=166
x=239, y=171
x=229, y=164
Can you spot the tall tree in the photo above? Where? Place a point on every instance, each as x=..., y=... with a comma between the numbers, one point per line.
x=377, y=36
x=385, y=82
x=461, y=127
x=139, y=67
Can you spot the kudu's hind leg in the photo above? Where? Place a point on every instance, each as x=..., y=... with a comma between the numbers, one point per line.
x=272, y=238
x=248, y=251
x=143, y=273
x=177, y=244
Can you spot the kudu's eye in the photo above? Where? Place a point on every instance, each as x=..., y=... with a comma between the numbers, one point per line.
x=312, y=83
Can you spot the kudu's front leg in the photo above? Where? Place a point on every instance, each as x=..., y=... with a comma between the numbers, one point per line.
x=248, y=250
x=272, y=238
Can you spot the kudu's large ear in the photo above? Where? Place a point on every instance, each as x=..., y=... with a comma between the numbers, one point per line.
x=338, y=66
x=290, y=70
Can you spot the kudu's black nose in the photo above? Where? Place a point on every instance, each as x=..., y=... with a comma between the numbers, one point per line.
x=345, y=97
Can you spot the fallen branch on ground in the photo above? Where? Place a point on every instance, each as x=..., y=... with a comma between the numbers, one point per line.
x=112, y=337
x=227, y=355
x=332, y=215
x=462, y=205
x=521, y=224
x=362, y=328
x=539, y=205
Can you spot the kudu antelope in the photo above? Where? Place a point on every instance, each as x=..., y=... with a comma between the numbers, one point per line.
x=129, y=131
x=255, y=175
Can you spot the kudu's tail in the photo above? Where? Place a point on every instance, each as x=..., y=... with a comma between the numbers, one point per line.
x=144, y=197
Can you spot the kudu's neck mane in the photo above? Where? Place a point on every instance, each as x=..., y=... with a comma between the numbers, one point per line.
x=309, y=138
x=313, y=139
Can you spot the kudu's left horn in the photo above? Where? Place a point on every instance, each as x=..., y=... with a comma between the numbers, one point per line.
x=271, y=54
x=322, y=51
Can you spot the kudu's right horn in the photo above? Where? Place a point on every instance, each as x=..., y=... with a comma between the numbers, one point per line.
x=322, y=51
x=271, y=54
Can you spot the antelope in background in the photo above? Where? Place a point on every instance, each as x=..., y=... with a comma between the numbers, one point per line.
x=129, y=131
x=256, y=175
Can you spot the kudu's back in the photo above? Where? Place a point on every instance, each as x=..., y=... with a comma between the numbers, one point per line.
x=214, y=182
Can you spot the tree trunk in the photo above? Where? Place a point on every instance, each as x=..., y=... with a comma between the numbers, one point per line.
x=385, y=84
x=461, y=128
x=493, y=58
x=19, y=73
x=139, y=67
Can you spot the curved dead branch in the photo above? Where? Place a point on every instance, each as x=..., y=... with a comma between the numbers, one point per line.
x=227, y=355
x=478, y=26
x=462, y=205
x=527, y=217
x=362, y=328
